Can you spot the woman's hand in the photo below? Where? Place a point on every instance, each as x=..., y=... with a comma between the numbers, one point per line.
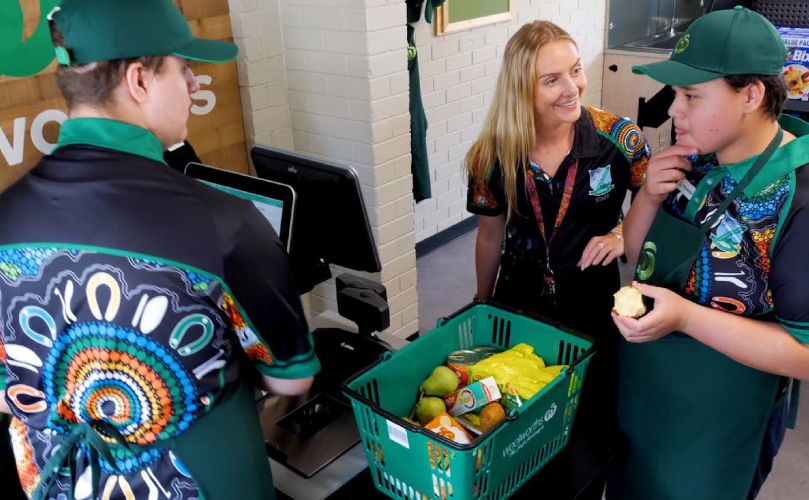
x=601, y=250
x=668, y=315
x=666, y=169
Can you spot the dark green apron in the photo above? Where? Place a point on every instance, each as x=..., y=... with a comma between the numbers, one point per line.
x=695, y=419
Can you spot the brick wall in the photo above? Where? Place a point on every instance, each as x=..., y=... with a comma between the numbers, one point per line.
x=262, y=73
x=458, y=74
x=346, y=63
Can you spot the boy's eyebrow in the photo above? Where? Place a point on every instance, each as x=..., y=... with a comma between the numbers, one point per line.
x=578, y=61
x=687, y=88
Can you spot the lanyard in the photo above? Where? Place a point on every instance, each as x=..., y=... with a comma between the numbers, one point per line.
x=567, y=194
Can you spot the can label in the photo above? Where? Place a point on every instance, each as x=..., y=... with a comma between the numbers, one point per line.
x=472, y=397
x=459, y=362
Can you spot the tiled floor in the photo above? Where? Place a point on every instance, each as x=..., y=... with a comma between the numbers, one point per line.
x=446, y=282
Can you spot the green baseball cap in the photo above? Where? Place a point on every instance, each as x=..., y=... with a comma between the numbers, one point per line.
x=103, y=30
x=736, y=41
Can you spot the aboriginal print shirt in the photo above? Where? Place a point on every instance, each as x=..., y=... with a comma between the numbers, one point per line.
x=753, y=259
x=133, y=300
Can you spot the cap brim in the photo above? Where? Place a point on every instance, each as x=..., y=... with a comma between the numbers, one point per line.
x=204, y=50
x=675, y=73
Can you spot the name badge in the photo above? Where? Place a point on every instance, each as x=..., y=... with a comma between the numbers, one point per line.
x=686, y=188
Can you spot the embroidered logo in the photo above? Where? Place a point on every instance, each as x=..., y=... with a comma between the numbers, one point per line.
x=728, y=235
x=683, y=44
x=600, y=181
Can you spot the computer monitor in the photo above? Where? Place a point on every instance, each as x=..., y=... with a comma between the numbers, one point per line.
x=331, y=225
x=274, y=200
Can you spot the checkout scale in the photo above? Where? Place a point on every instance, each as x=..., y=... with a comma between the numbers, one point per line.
x=318, y=211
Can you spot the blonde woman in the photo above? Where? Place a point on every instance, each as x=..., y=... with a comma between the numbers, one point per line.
x=548, y=177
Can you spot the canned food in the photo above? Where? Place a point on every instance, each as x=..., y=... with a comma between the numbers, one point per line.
x=485, y=351
x=459, y=362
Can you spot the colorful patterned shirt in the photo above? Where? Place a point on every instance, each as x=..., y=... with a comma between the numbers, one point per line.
x=750, y=264
x=134, y=303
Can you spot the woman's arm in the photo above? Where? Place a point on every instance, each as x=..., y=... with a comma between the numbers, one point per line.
x=762, y=345
x=488, y=246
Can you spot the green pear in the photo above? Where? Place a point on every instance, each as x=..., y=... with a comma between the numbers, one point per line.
x=428, y=408
x=441, y=382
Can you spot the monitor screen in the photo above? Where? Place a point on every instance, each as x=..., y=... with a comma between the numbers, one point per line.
x=275, y=201
x=331, y=225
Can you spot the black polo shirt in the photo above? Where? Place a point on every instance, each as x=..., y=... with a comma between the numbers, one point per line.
x=133, y=295
x=612, y=156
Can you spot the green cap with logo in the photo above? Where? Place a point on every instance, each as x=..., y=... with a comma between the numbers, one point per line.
x=104, y=30
x=736, y=41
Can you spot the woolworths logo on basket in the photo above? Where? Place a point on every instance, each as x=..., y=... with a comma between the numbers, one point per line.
x=529, y=434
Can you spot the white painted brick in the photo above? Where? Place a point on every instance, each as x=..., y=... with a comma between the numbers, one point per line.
x=399, y=266
x=395, y=229
x=473, y=72
x=399, y=83
x=345, y=42
x=459, y=92
x=444, y=112
x=474, y=40
x=393, y=148
x=390, y=106
x=382, y=130
x=343, y=86
x=483, y=84
x=389, y=16
x=434, y=99
x=493, y=67
x=447, y=141
x=459, y=122
x=379, y=88
x=470, y=103
x=400, y=124
x=497, y=34
x=471, y=133
x=305, y=81
x=461, y=60
x=386, y=64
x=449, y=222
x=444, y=49
x=276, y=94
x=436, y=129
x=407, y=297
x=303, y=38
x=254, y=97
x=317, y=62
x=447, y=171
x=483, y=54
x=431, y=68
x=353, y=131
x=549, y=11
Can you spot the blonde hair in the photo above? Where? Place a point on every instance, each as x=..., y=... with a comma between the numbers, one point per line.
x=509, y=130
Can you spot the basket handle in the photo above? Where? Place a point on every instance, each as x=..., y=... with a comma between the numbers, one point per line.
x=589, y=352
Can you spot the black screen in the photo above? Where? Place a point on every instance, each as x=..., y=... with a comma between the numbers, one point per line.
x=331, y=224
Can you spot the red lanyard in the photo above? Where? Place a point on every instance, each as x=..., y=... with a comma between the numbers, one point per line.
x=567, y=194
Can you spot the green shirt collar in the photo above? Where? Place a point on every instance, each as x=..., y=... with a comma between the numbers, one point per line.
x=111, y=134
x=785, y=159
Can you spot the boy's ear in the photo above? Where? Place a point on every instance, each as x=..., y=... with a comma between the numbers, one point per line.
x=137, y=80
x=755, y=94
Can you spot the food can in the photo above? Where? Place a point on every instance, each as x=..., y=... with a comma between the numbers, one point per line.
x=485, y=351
x=459, y=362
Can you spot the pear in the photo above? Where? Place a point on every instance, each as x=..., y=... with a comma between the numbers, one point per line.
x=428, y=408
x=441, y=382
x=631, y=303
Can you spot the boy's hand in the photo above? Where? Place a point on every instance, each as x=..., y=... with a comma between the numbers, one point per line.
x=666, y=169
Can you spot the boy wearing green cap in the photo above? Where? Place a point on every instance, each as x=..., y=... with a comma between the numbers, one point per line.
x=138, y=307
x=719, y=232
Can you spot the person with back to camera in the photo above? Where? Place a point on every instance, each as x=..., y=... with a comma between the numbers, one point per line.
x=139, y=307
x=548, y=177
x=720, y=231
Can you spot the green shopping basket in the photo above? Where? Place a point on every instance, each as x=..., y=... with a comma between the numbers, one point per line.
x=409, y=462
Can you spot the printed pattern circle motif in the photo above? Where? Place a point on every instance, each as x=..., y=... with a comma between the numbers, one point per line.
x=98, y=371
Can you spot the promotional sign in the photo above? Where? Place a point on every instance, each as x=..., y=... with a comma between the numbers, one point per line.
x=32, y=110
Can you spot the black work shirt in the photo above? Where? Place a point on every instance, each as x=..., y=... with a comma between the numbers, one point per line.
x=133, y=295
x=612, y=157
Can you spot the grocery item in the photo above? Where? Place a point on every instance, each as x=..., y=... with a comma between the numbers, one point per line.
x=486, y=351
x=428, y=408
x=442, y=381
x=446, y=426
x=796, y=67
x=460, y=361
x=491, y=415
x=472, y=397
x=629, y=302
x=517, y=371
